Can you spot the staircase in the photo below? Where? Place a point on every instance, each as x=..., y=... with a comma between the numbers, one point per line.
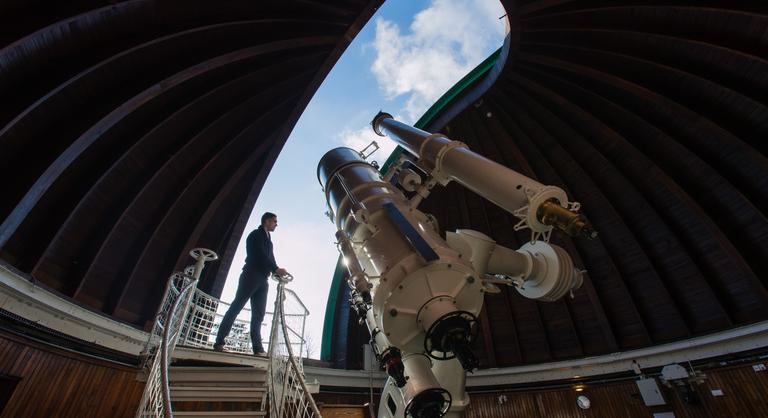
x=217, y=391
x=219, y=385
x=185, y=378
x=229, y=389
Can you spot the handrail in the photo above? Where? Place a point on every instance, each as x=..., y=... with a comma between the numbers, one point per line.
x=169, y=342
x=156, y=399
x=182, y=321
x=293, y=372
x=188, y=316
x=169, y=322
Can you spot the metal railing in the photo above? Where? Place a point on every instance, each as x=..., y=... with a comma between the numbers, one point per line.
x=205, y=315
x=190, y=317
x=287, y=390
x=155, y=401
x=169, y=321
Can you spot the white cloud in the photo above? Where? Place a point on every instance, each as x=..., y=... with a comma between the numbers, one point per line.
x=446, y=41
x=359, y=139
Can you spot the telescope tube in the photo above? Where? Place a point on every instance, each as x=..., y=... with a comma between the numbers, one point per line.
x=448, y=160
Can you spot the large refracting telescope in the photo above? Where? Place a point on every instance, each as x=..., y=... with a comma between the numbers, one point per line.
x=420, y=294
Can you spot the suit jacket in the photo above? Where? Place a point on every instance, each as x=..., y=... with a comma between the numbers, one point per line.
x=259, y=257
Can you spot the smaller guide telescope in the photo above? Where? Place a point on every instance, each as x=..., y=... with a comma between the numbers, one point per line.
x=419, y=294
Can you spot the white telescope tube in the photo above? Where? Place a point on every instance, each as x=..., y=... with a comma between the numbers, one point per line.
x=452, y=160
x=539, y=206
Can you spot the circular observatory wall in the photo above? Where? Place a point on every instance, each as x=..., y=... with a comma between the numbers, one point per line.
x=654, y=116
x=132, y=131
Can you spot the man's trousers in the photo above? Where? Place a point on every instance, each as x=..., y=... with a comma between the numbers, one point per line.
x=253, y=286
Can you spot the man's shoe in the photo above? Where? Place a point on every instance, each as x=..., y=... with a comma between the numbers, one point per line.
x=260, y=354
x=219, y=348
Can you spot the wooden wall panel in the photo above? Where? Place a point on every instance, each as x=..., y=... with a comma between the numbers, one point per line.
x=57, y=383
x=343, y=411
x=745, y=396
x=337, y=404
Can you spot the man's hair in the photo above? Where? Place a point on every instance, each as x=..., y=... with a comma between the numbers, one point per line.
x=267, y=215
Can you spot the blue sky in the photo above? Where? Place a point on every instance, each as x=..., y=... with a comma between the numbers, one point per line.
x=404, y=59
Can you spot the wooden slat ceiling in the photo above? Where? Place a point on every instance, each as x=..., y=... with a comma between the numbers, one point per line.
x=133, y=131
x=653, y=115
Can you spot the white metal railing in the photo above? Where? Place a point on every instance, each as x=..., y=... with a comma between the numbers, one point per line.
x=205, y=315
x=153, y=402
x=169, y=325
x=190, y=317
x=169, y=321
x=287, y=390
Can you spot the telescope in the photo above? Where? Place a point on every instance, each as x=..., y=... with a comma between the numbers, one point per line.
x=420, y=294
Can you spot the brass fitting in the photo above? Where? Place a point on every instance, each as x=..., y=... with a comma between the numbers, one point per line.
x=573, y=224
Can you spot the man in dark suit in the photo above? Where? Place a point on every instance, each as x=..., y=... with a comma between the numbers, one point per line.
x=259, y=264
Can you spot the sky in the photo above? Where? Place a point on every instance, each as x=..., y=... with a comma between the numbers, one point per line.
x=403, y=60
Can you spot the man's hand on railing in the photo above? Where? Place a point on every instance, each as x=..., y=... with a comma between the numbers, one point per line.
x=281, y=275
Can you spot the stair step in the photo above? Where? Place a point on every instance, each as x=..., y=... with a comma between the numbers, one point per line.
x=207, y=355
x=217, y=376
x=216, y=414
x=213, y=376
x=216, y=393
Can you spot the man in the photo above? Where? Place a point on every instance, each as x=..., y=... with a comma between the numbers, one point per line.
x=259, y=263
